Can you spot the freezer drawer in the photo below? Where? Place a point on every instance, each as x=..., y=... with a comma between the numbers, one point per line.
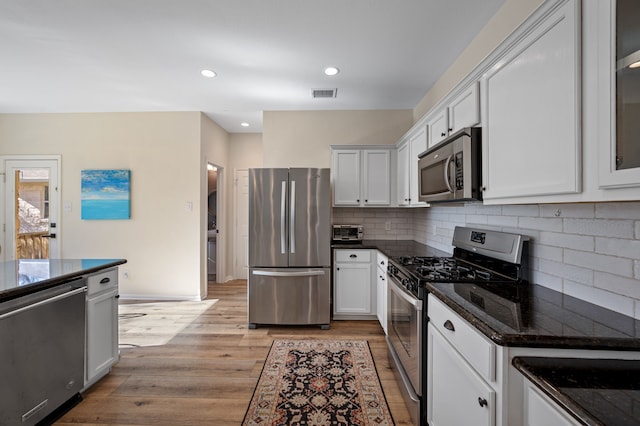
x=289, y=296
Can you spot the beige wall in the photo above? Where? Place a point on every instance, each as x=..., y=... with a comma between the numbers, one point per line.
x=303, y=138
x=503, y=23
x=166, y=153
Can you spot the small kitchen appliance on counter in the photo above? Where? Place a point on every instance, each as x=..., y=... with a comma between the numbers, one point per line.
x=481, y=258
x=347, y=233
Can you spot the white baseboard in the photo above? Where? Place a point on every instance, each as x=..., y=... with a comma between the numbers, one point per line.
x=160, y=298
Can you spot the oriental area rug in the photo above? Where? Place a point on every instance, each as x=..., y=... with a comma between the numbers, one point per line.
x=318, y=382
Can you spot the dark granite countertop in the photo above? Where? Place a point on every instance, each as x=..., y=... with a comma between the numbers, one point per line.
x=529, y=315
x=27, y=276
x=594, y=391
x=394, y=248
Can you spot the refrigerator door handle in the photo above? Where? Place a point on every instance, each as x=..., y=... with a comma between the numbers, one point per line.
x=283, y=202
x=292, y=219
x=288, y=274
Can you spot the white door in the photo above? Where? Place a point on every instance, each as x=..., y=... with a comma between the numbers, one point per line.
x=31, y=214
x=241, y=264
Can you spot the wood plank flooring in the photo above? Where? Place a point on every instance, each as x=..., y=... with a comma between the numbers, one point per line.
x=197, y=363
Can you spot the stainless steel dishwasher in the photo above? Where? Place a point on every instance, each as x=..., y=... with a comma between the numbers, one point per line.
x=42, y=339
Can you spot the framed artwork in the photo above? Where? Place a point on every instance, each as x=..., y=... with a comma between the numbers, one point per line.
x=106, y=194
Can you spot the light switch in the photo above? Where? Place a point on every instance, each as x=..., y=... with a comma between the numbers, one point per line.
x=189, y=206
x=66, y=206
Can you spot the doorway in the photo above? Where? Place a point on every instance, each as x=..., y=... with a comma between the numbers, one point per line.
x=214, y=181
x=31, y=199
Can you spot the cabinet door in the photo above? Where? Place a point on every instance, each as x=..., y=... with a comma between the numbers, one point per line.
x=532, y=115
x=102, y=334
x=377, y=175
x=539, y=410
x=352, y=289
x=381, y=299
x=404, y=176
x=345, y=172
x=456, y=395
x=438, y=127
x=619, y=149
x=418, y=145
x=464, y=110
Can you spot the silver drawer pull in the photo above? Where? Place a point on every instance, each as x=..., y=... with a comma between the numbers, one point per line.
x=449, y=325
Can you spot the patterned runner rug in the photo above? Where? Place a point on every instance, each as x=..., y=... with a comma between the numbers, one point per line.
x=318, y=382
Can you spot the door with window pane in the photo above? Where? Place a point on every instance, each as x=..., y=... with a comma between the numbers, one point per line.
x=31, y=195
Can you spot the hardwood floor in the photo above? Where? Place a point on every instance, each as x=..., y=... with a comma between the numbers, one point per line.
x=197, y=363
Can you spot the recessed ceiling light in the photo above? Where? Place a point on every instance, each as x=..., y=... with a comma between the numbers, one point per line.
x=244, y=124
x=208, y=73
x=331, y=71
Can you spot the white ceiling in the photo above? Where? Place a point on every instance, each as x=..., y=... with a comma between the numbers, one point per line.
x=146, y=55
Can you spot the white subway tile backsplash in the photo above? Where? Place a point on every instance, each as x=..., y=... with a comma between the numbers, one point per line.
x=550, y=281
x=565, y=271
x=546, y=252
x=599, y=262
x=541, y=224
x=582, y=211
x=578, y=242
x=588, y=250
x=618, y=247
x=600, y=297
x=599, y=227
x=627, y=210
x=621, y=285
x=521, y=210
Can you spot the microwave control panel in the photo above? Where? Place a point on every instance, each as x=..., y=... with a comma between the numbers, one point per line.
x=459, y=172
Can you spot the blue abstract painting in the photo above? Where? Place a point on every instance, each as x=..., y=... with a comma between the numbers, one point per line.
x=105, y=194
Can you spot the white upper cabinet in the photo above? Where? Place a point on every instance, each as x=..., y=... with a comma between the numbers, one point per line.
x=361, y=177
x=345, y=171
x=462, y=111
x=531, y=111
x=619, y=150
x=407, y=168
x=377, y=177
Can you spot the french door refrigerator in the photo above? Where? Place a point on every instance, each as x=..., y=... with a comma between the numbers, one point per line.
x=289, y=247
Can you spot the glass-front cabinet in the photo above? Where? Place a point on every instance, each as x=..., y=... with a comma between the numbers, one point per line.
x=620, y=159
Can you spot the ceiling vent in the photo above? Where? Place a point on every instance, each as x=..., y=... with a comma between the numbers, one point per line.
x=324, y=93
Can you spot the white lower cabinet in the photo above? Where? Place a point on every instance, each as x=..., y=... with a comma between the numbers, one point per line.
x=381, y=290
x=102, y=325
x=540, y=410
x=458, y=393
x=353, y=292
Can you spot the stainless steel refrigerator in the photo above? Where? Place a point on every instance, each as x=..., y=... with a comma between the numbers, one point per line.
x=289, y=247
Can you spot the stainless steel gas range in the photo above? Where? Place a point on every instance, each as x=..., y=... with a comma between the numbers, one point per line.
x=480, y=258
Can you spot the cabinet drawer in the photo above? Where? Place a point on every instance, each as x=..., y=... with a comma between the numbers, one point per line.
x=474, y=347
x=102, y=281
x=353, y=255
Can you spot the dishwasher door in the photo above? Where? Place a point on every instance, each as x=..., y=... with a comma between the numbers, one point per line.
x=42, y=352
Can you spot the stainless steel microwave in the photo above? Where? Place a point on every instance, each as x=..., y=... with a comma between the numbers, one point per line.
x=451, y=170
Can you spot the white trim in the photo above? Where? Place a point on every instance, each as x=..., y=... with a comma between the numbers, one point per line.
x=160, y=298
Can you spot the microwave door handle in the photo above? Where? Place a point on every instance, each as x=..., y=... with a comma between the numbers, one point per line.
x=446, y=173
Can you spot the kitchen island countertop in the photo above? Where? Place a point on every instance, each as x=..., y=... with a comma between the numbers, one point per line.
x=25, y=276
x=594, y=391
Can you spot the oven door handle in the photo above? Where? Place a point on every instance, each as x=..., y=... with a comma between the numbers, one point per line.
x=416, y=303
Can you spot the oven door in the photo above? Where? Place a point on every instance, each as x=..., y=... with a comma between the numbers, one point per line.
x=405, y=332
